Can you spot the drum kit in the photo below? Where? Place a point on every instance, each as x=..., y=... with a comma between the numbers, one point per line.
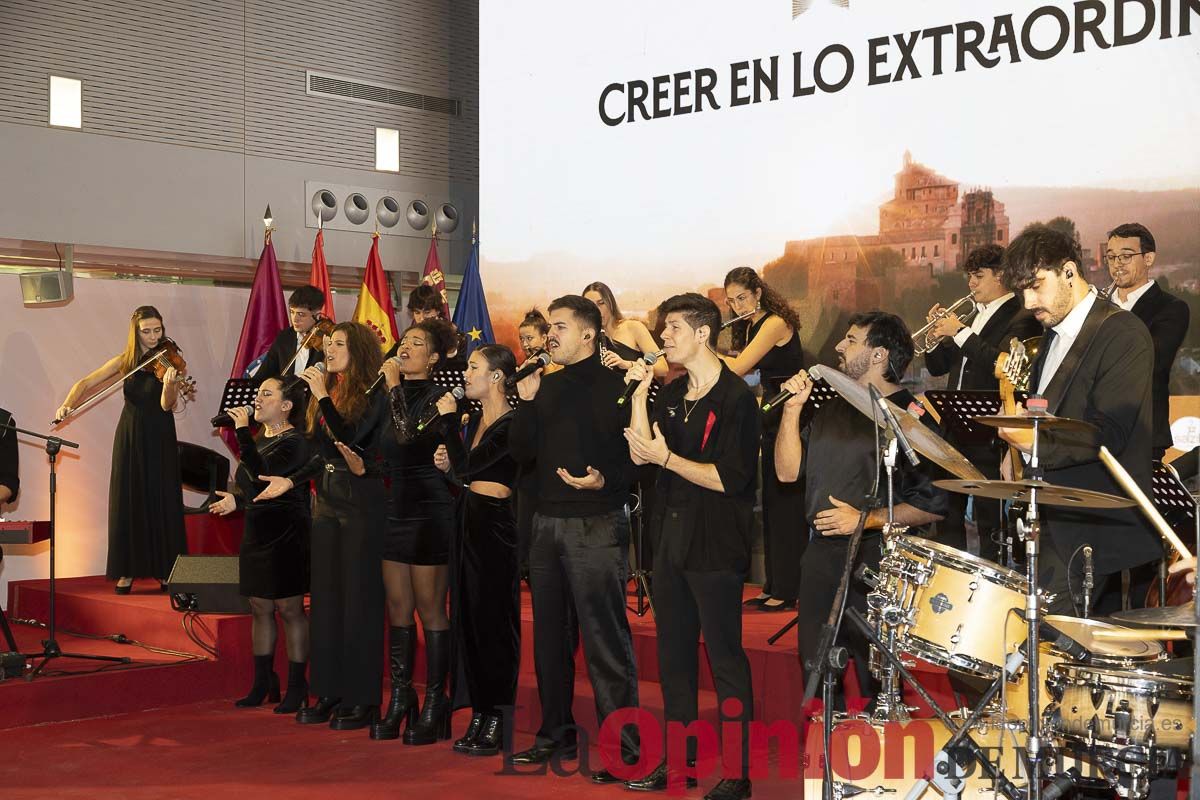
x=1101, y=696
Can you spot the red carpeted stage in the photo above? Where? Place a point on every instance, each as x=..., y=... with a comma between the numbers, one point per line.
x=163, y=726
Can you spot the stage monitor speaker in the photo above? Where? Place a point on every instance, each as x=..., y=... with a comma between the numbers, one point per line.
x=207, y=585
x=45, y=287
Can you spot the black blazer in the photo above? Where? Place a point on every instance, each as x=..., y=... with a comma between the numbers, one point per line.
x=1167, y=318
x=982, y=349
x=281, y=352
x=1105, y=380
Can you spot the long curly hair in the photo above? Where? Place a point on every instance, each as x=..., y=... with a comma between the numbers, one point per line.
x=771, y=301
x=348, y=389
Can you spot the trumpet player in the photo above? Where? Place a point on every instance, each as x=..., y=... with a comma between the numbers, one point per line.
x=968, y=353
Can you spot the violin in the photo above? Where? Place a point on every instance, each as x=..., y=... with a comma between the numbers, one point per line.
x=167, y=354
x=314, y=340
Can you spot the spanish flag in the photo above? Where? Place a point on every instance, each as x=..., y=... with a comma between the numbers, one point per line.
x=374, y=308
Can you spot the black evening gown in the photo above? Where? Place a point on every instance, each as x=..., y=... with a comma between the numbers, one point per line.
x=274, y=557
x=145, y=499
x=420, y=513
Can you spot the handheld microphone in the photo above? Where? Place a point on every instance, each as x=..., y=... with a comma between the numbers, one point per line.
x=1088, y=579
x=894, y=424
x=531, y=366
x=649, y=359
x=777, y=400
x=223, y=420
x=432, y=414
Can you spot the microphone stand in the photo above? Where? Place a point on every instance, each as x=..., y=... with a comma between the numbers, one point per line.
x=50, y=648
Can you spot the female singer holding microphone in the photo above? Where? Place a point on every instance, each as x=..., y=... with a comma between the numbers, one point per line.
x=145, y=499
x=768, y=339
x=273, y=563
x=420, y=526
x=348, y=529
x=485, y=584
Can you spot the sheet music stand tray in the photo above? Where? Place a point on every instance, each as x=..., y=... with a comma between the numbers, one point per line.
x=238, y=392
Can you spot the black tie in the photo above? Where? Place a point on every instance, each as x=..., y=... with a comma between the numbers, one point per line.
x=1035, y=372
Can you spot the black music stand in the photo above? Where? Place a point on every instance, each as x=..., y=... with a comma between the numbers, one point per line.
x=1178, y=507
x=239, y=392
x=821, y=393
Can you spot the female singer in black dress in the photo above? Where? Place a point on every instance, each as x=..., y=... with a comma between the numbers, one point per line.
x=623, y=341
x=348, y=529
x=274, y=559
x=485, y=587
x=420, y=525
x=769, y=341
x=145, y=499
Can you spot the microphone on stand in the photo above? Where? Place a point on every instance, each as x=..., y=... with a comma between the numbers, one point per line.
x=223, y=420
x=649, y=359
x=458, y=392
x=531, y=366
x=1089, y=582
x=894, y=424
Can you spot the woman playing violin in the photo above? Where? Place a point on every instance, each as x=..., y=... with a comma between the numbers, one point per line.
x=145, y=501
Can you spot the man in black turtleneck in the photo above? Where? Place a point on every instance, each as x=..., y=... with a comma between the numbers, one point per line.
x=570, y=424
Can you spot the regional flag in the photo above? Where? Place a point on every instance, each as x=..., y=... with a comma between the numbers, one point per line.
x=318, y=276
x=433, y=275
x=374, y=308
x=471, y=312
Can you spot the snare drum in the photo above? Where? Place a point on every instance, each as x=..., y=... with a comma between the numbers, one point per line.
x=955, y=605
x=1114, y=655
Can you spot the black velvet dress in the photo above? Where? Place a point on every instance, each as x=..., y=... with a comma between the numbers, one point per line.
x=145, y=499
x=420, y=511
x=484, y=581
x=274, y=557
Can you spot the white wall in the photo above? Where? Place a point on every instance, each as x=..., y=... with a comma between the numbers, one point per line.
x=45, y=350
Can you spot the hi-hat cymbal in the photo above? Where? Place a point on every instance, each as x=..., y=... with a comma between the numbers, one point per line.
x=1049, y=494
x=1043, y=421
x=922, y=439
x=1183, y=616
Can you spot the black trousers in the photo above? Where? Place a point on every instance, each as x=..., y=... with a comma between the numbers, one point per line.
x=487, y=618
x=784, y=541
x=686, y=604
x=577, y=569
x=347, y=588
x=821, y=573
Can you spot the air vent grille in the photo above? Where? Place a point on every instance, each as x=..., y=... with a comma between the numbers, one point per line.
x=379, y=94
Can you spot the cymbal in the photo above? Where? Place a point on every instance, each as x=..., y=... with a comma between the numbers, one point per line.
x=1183, y=616
x=1049, y=494
x=1043, y=420
x=923, y=440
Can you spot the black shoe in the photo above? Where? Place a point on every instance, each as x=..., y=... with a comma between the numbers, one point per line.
x=354, y=717
x=297, y=689
x=266, y=684
x=657, y=780
x=126, y=589
x=402, y=707
x=730, y=789
x=604, y=776
x=766, y=608
x=319, y=713
x=542, y=753
x=754, y=602
x=490, y=738
x=464, y=744
x=433, y=724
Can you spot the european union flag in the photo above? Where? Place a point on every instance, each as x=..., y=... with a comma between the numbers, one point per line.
x=471, y=312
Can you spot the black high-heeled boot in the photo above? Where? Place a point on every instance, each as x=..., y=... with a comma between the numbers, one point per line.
x=297, y=689
x=402, y=708
x=434, y=722
x=320, y=713
x=266, y=684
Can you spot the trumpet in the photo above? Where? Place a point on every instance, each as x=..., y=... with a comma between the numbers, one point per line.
x=924, y=341
x=729, y=322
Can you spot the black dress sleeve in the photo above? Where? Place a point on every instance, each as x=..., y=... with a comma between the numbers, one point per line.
x=287, y=455
x=522, y=435
x=490, y=450
x=364, y=431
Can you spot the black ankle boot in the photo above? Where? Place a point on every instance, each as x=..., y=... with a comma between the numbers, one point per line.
x=402, y=708
x=464, y=744
x=434, y=722
x=490, y=739
x=266, y=684
x=351, y=718
x=319, y=713
x=297, y=689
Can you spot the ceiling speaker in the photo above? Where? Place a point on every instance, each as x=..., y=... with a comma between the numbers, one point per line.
x=387, y=211
x=357, y=209
x=417, y=215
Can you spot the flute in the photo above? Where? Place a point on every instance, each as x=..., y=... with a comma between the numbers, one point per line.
x=725, y=325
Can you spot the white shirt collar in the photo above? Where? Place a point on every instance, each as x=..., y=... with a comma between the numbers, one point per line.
x=988, y=308
x=1072, y=323
x=1134, y=296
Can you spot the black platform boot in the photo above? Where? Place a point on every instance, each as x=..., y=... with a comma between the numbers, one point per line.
x=402, y=708
x=490, y=739
x=266, y=684
x=351, y=718
x=434, y=722
x=320, y=713
x=467, y=741
x=297, y=689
